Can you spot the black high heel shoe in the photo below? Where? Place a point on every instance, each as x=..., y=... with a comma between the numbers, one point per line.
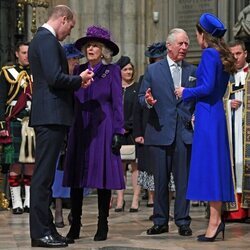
x=102, y=232
x=120, y=209
x=134, y=210
x=221, y=228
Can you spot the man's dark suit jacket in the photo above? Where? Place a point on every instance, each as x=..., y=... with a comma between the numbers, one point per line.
x=161, y=126
x=52, y=101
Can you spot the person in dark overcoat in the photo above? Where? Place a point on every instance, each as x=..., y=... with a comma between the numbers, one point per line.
x=51, y=116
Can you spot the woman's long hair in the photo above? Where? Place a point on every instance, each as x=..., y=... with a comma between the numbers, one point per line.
x=219, y=44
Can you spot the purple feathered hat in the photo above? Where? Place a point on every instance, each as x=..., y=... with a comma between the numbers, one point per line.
x=99, y=34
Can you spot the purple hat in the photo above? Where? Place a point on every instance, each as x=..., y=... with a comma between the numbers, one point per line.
x=71, y=51
x=99, y=34
x=212, y=25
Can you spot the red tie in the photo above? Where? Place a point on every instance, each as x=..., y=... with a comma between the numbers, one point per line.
x=245, y=69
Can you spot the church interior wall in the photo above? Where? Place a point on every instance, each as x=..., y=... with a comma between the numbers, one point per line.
x=134, y=24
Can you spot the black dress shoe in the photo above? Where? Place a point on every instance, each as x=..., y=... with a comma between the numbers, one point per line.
x=26, y=209
x=157, y=229
x=151, y=217
x=66, y=239
x=48, y=241
x=17, y=210
x=185, y=230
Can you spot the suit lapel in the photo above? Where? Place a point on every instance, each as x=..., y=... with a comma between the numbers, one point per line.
x=166, y=74
x=185, y=73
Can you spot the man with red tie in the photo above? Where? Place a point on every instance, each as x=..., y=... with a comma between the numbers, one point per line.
x=237, y=121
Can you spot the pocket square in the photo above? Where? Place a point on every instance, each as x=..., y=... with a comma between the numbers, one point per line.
x=191, y=78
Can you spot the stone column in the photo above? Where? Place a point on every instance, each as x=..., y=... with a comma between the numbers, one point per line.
x=132, y=26
x=41, y=17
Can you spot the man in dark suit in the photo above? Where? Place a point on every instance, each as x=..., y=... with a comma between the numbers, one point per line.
x=169, y=131
x=51, y=115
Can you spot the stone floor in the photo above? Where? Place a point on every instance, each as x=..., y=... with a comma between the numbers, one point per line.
x=127, y=231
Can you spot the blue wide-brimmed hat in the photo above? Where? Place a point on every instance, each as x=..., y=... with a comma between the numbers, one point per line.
x=212, y=25
x=156, y=50
x=99, y=34
x=71, y=51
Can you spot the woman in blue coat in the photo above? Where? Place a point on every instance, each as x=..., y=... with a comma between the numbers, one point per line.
x=210, y=175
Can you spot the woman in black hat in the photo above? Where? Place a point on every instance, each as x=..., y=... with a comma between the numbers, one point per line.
x=129, y=87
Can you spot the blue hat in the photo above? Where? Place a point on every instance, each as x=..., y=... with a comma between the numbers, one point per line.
x=156, y=50
x=212, y=25
x=71, y=51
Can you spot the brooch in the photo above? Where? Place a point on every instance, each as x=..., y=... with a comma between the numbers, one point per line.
x=105, y=73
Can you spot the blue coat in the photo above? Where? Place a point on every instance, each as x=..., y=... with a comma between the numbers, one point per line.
x=210, y=175
x=161, y=128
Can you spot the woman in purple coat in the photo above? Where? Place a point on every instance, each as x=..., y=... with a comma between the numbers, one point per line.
x=93, y=154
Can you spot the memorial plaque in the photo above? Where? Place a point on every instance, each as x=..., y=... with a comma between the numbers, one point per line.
x=188, y=13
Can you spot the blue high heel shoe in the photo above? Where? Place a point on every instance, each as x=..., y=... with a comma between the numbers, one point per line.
x=221, y=228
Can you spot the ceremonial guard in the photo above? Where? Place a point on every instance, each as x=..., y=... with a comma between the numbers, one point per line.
x=16, y=137
x=237, y=107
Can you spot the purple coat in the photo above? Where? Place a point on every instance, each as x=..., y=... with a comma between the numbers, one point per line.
x=98, y=116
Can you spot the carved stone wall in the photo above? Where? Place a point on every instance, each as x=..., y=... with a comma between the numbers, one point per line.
x=132, y=25
x=7, y=31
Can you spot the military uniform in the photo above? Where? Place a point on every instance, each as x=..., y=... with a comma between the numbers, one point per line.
x=18, y=146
